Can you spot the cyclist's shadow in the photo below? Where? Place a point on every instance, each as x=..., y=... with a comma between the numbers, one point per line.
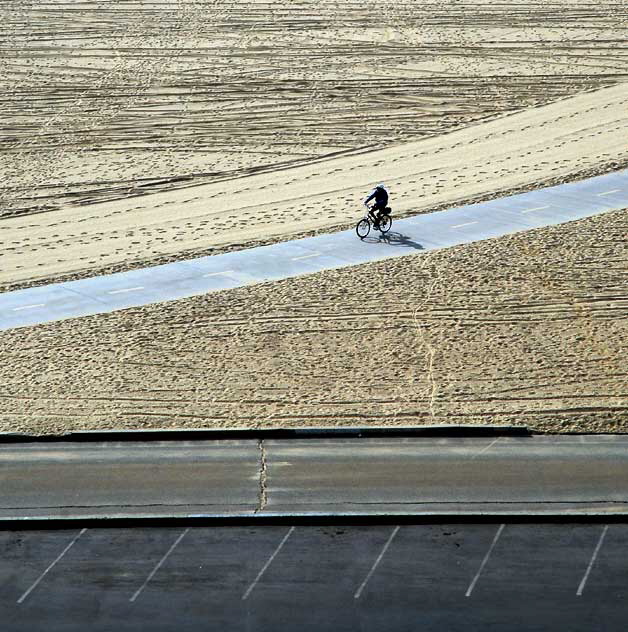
x=394, y=239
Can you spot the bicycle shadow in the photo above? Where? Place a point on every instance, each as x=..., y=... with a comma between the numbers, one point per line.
x=394, y=239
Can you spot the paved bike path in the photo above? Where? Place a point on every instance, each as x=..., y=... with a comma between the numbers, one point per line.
x=442, y=229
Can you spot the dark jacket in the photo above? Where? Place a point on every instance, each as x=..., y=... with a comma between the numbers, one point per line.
x=381, y=198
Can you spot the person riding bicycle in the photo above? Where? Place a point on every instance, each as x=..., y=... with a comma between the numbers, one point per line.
x=381, y=201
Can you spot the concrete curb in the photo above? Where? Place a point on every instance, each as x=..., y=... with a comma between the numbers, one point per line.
x=205, y=434
x=313, y=518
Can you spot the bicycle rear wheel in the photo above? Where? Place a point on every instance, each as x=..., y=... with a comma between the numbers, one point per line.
x=363, y=228
x=385, y=223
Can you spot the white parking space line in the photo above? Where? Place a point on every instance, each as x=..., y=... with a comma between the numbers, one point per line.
x=536, y=208
x=67, y=548
x=161, y=561
x=17, y=309
x=593, y=557
x=486, y=448
x=268, y=563
x=609, y=192
x=484, y=561
x=465, y=224
x=316, y=254
x=358, y=592
x=128, y=289
x=211, y=274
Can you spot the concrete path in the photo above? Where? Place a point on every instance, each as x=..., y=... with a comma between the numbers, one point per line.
x=503, y=475
x=440, y=577
x=287, y=259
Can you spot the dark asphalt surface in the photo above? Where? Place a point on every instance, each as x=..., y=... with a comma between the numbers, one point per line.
x=429, y=577
x=502, y=475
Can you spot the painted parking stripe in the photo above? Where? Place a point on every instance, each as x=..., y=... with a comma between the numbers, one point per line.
x=128, y=289
x=268, y=563
x=536, y=208
x=484, y=561
x=316, y=254
x=486, y=448
x=161, y=561
x=17, y=309
x=358, y=592
x=67, y=548
x=592, y=561
x=609, y=192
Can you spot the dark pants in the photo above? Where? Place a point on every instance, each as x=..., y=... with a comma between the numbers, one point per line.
x=378, y=211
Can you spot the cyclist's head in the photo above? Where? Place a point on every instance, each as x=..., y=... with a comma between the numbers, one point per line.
x=381, y=186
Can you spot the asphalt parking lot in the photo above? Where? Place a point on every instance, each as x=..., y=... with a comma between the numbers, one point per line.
x=501, y=576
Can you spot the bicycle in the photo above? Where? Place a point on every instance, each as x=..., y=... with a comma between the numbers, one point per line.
x=363, y=227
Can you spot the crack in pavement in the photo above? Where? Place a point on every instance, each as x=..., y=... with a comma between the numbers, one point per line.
x=263, y=489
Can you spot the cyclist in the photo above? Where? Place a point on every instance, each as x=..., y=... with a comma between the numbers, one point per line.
x=381, y=201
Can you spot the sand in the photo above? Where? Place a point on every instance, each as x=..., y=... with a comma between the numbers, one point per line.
x=141, y=133
x=249, y=122
x=527, y=148
x=528, y=329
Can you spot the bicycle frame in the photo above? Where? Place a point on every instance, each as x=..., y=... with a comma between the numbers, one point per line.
x=369, y=215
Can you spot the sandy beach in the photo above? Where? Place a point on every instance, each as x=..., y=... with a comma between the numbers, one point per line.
x=138, y=134
x=527, y=329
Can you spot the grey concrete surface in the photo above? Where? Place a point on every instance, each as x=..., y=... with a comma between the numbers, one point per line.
x=544, y=474
x=129, y=479
x=425, y=232
x=428, y=577
x=550, y=475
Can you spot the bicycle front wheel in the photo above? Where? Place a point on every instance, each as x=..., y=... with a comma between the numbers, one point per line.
x=385, y=223
x=363, y=228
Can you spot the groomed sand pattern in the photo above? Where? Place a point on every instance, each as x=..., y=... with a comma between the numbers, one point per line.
x=104, y=100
